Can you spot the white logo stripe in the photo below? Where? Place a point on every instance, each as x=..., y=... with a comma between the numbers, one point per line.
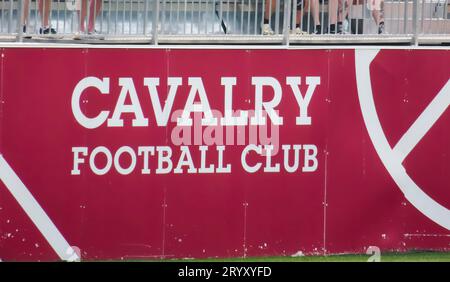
x=35, y=212
x=423, y=123
x=393, y=163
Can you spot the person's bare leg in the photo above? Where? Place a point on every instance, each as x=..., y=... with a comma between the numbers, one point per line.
x=378, y=17
x=332, y=11
x=335, y=21
x=315, y=14
x=315, y=11
x=82, y=15
x=44, y=8
x=345, y=9
x=298, y=20
x=299, y=17
x=26, y=12
x=94, y=12
x=269, y=8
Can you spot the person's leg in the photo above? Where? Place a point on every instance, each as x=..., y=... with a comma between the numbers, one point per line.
x=82, y=15
x=45, y=8
x=377, y=7
x=269, y=7
x=333, y=14
x=315, y=13
x=26, y=12
x=94, y=12
x=378, y=16
x=299, y=17
x=344, y=9
x=310, y=7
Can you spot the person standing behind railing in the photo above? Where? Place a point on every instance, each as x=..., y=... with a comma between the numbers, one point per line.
x=337, y=17
x=44, y=9
x=315, y=13
x=95, y=7
x=269, y=8
x=377, y=8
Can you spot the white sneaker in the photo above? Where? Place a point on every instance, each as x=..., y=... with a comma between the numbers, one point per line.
x=267, y=30
x=298, y=31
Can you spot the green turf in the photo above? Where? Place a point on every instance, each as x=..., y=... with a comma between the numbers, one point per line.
x=385, y=257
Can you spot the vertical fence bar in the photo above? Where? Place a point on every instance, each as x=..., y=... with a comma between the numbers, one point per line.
x=57, y=16
x=170, y=16
x=145, y=17
x=65, y=17
x=322, y=18
x=364, y=13
x=422, y=16
x=178, y=14
x=293, y=13
x=263, y=8
x=199, y=16
x=131, y=17
x=349, y=14
x=20, y=11
x=256, y=18
x=108, y=27
x=242, y=20
x=185, y=17
x=357, y=24
x=235, y=4
x=415, y=19
x=123, y=17
x=205, y=16
x=405, y=17
x=270, y=11
x=302, y=8
x=445, y=18
x=192, y=16
x=155, y=22
x=430, y=24
x=286, y=22
x=102, y=20
x=277, y=16
x=327, y=28
x=2, y=16
x=248, y=16
x=308, y=17
x=10, y=16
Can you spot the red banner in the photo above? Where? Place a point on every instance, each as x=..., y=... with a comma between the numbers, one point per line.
x=162, y=153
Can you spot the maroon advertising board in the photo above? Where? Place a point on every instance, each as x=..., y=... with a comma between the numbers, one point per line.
x=176, y=153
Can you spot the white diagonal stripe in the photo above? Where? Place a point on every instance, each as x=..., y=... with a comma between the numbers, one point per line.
x=413, y=193
x=423, y=123
x=35, y=212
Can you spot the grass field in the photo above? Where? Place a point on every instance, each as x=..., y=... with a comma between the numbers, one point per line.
x=385, y=257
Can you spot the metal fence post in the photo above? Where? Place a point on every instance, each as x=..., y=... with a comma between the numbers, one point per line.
x=405, y=17
x=155, y=22
x=145, y=17
x=10, y=16
x=415, y=22
x=20, y=10
x=286, y=21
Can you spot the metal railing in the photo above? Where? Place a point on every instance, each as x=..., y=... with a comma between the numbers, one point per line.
x=228, y=21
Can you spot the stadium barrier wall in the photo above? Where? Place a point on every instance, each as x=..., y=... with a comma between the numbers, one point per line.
x=136, y=153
